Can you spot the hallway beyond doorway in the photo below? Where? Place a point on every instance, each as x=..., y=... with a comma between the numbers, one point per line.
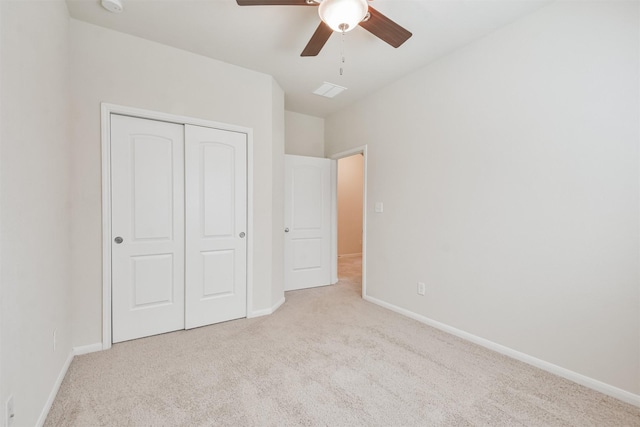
x=350, y=272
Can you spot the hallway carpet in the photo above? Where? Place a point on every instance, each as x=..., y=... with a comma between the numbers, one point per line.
x=325, y=358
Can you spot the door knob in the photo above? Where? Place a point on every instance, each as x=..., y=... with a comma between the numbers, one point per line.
x=286, y=230
x=242, y=235
x=118, y=240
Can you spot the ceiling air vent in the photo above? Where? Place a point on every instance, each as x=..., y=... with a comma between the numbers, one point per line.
x=329, y=90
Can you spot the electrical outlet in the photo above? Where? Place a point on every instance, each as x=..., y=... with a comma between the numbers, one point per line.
x=54, y=340
x=421, y=288
x=11, y=413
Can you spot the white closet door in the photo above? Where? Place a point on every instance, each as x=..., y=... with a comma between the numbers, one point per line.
x=216, y=218
x=147, y=169
x=307, y=219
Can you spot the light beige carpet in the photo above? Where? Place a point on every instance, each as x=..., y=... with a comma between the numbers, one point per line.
x=325, y=358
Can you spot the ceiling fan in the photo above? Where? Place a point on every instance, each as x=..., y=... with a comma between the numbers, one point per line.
x=342, y=16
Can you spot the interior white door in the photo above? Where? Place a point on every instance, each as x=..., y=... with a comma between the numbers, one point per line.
x=216, y=225
x=147, y=188
x=307, y=220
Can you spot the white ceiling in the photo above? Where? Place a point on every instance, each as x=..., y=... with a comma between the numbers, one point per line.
x=269, y=39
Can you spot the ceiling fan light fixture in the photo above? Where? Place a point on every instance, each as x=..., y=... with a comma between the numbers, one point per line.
x=342, y=15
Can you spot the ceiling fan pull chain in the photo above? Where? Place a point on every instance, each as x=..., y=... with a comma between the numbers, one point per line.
x=342, y=52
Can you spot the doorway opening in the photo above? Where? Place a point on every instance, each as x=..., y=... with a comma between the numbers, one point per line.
x=350, y=218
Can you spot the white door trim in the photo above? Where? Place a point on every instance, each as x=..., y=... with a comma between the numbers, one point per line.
x=334, y=223
x=106, y=111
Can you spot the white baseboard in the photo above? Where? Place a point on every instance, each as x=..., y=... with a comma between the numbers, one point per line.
x=591, y=383
x=85, y=349
x=54, y=391
x=76, y=351
x=277, y=305
x=266, y=311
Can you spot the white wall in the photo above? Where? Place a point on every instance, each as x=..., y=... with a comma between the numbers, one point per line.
x=304, y=134
x=509, y=172
x=34, y=203
x=350, y=187
x=278, y=112
x=3, y=382
x=107, y=66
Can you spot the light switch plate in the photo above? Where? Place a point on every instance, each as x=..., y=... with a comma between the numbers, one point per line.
x=379, y=207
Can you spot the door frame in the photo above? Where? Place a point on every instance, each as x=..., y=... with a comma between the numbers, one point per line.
x=106, y=109
x=334, y=213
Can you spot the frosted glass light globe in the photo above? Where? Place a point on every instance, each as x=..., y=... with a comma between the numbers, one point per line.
x=342, y=15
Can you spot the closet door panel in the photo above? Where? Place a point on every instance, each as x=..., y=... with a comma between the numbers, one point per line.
x=216, y=218
x=147, y=245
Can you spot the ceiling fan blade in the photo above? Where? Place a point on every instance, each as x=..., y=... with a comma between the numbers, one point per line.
x=274, y=3
x=318, y=39
x=385, y=29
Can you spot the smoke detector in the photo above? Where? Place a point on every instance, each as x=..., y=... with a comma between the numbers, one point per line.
x=114, y=6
